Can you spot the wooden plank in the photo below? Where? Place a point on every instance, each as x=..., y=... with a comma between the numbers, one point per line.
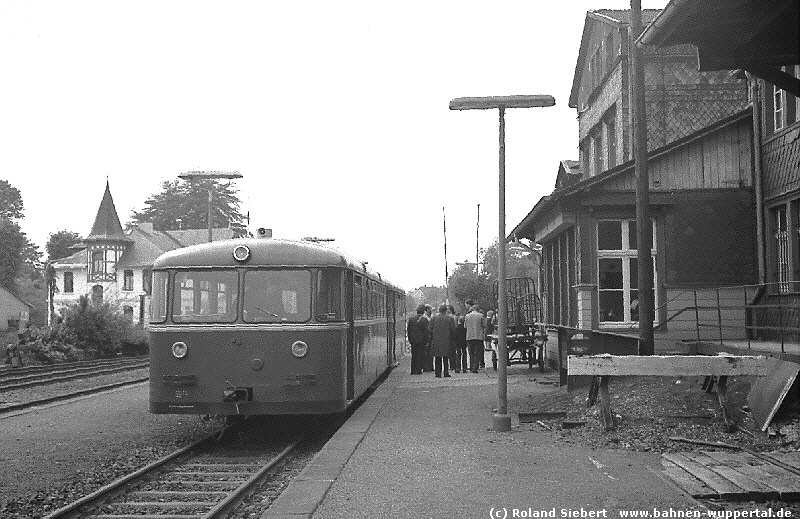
x=693, y=486
x=723, y=487
x=788, y=484
x=753, y=490
x=767, y=394
x=771, y=488
x=667, y=366
x=789, y=458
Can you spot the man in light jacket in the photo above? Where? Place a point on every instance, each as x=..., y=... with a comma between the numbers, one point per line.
x=475, y=323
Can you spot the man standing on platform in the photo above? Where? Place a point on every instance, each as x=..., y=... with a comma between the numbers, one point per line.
x=443, y=339
x=417, y=331
x=475, y=323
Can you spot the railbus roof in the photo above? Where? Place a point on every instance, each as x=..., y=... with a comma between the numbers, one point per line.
x=265, y=252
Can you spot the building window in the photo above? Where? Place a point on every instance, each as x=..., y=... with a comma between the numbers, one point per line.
x=597, y=149
x=559, y=279
x=611, y=138
x=778, y=108
x=782, y=108
x=127, y=311
x=98, y=263
x=97, y=294
x=585, y=154
x=68, y=283
x=128, y=280
x=618, y=271
x=785, y=246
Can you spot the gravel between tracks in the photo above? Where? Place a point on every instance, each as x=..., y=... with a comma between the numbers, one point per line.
x=27, y=394
x=39, y=478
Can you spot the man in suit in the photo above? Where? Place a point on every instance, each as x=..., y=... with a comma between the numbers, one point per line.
x=417, y=332
x=443, y=338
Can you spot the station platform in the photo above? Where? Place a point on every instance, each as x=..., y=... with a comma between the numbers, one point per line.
x=423, y=447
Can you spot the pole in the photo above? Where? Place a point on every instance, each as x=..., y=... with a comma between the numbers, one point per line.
x=210, y=221
x=477, y=243
x=446, y=273
x=644, y=230
x=502, y=421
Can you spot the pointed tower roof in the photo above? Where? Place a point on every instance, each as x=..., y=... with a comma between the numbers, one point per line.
x=106, y=223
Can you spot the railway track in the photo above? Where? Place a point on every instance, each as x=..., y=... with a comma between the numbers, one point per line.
x=206, y=479
x=19, y=378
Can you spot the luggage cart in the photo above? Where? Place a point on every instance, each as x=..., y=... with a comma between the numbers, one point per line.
x=525, y=332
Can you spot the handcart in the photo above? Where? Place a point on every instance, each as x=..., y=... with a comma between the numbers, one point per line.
x=525, y=332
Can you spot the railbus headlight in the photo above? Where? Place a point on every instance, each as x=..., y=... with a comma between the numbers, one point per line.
x=179, y=350
x=241, y=253
x=299, y=349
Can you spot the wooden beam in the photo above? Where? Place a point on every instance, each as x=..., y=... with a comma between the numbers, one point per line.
x=667, y=366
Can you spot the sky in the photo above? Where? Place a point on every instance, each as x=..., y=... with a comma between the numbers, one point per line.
x=335, y=113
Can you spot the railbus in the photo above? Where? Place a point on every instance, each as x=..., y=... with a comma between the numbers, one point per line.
x=268, y=326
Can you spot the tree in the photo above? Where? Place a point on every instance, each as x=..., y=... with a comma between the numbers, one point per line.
x=188, y=202
x=59, y=244
x=465, y=284
x=518, y=262
x=13, y=245
x=11, y=206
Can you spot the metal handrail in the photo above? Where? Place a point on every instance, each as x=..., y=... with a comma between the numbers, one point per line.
x=748, y=307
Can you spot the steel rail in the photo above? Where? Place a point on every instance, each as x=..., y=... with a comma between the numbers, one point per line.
x=46, y=379
x=66, y=396
x=106, y=489
x=215, y=508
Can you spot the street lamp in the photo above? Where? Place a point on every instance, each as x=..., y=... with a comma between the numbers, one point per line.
x=191, y=176
x=502, y=421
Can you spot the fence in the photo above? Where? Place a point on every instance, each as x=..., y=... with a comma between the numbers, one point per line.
x=765, y=312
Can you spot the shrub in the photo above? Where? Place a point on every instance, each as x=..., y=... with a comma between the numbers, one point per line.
x=49, y=345
x=135, y=343
x=98, y=327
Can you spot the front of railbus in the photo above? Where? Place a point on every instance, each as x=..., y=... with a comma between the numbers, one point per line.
x=247, y=327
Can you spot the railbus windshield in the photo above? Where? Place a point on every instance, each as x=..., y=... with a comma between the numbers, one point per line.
x=274, y=296
x=202, y=296
x=207, y=296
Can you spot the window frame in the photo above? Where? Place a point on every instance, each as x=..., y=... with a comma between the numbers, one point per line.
x=69, y=288
x=127, y=280
x=625, y=253
x=160, y=296
x=176, y=297
x=309, y=309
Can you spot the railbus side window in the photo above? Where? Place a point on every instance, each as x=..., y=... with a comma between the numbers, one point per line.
x=205, y=296
x=274, y=296
x=357, y=297
x=329, y=295
x=158, y=301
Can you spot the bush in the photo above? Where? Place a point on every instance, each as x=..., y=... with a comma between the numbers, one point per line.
x=85, y=331
x=49, y=345
x=98, y=327
x=135, y=343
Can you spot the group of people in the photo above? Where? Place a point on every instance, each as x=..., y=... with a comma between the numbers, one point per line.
x=449, y=339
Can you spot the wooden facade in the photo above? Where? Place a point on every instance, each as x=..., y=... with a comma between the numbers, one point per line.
x=770, y=55
x=701, y=169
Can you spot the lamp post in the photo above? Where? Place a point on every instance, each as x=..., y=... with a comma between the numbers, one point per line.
x=502, y=421
x=191, y=176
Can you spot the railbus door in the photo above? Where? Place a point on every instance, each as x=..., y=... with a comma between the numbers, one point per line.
x=389, y=300
x=350, y=353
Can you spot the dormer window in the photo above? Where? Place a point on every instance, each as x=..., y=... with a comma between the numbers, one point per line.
x=103, y=264
x=98, y=263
